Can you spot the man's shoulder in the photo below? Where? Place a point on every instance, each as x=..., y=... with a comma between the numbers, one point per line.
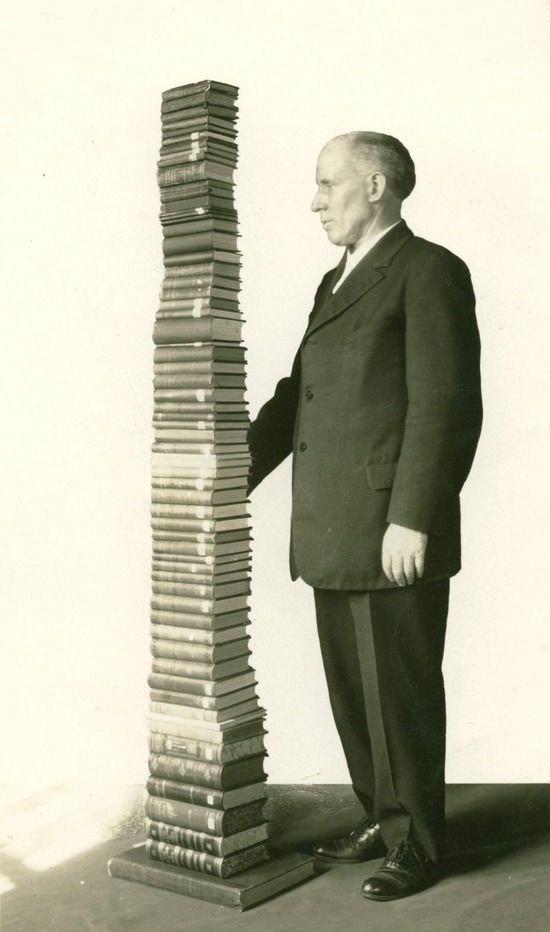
x=418, y=250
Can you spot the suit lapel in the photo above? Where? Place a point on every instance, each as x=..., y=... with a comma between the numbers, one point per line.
x=365, y=276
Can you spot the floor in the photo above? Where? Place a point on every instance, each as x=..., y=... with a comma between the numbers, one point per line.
x=56, y=843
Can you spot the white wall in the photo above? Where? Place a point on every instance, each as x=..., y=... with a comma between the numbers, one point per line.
x=462, y=84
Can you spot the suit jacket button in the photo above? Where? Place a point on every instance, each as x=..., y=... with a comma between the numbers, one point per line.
x=303, y=446
x=309, y=394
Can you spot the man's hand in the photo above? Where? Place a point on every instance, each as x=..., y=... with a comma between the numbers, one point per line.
x=403, y=552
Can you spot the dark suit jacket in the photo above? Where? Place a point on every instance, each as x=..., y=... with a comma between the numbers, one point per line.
x=382, y=411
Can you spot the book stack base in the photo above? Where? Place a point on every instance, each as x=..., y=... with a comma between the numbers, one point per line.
x=242, y=891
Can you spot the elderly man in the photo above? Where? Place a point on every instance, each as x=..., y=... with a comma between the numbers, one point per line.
x=382, y=412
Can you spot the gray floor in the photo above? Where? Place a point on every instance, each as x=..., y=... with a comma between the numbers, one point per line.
x=57, y=844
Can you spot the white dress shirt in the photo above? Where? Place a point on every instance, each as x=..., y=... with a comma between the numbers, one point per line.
x=353, y=258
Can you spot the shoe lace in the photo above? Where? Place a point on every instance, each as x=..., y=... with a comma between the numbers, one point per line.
x=401, y=852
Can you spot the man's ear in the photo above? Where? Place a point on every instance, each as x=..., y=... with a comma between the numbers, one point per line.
x=377, y=186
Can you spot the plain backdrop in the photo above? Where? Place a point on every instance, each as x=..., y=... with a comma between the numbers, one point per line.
x=463, y=84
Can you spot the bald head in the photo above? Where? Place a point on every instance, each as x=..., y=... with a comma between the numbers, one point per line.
x=370, y=151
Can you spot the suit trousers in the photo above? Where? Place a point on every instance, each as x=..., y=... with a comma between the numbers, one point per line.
x=382, y=652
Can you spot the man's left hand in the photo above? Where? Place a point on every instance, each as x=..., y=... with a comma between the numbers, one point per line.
x=403, y=553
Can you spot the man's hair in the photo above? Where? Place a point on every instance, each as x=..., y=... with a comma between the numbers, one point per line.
x=391, y=156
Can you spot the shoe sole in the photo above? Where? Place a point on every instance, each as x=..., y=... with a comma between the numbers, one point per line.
x=373, y=856
x=399, y=896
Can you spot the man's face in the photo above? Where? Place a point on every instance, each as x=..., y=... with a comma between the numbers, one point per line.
x=342, y=199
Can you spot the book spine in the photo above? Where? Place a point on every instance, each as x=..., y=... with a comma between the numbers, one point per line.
x=205, y=819
x=199, y=653
x=193, y=635
x=217, y=845
x=182, y=684
x=202, y=751
x=162, y=788
x=202, y=773
x=195, y=329
x=207, y=863
x=200, y=715
x=189, y=620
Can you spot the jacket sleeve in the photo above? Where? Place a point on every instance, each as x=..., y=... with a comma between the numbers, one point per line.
x=444, y=413
x=270, y=435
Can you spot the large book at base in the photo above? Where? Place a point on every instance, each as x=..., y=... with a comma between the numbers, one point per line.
x=206, y=832
x=241, y=891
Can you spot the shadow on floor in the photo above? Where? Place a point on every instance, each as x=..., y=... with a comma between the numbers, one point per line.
x=499, y=836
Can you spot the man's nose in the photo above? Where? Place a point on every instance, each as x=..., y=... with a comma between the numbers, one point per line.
x=317, y=202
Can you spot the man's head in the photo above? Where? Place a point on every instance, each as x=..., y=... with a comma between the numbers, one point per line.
x=362, y=179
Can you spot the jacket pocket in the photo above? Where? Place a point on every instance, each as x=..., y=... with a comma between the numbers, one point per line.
x=370, y=330
x=380, y=475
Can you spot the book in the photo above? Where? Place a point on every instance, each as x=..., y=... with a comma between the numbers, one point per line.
x=163, y=476
x=203, y=255
x=185, y=510
x=193, y=171
x=228, y=776
x=209, y=551
x=207, y=863
x=204, y=97
x=193, y=329
x=199, y=715
x=176, y=493
x=195, y=242
x=205, y=819
x=207, y=530
x=196, y=731
x=218, y=845
x=177, y=149
x=200, y=561
x=207, y=576
x=187, y=90
x=200, y=670
x=201, y=702
x=203, y=688
x=227, y=269
x=198, y=119
x=202, y=653
x=224, y=114
x=178, y=292
x=220, y=591
x=202, y=435
x=199, y=352
x=178, y=791
x=191, y=605
x=209, y=466
x=242, y=891
x=199, y=449
x=199, y=635
x=199, y=308
x=217, y=822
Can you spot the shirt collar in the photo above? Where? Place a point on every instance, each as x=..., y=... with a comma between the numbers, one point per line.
x=354, y=258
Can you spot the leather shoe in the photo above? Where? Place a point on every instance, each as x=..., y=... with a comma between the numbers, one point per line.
x=406, y=870
x=364, y=843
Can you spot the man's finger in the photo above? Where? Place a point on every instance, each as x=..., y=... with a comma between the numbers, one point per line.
x=397, y=569
x=419, y=562
x=386, y=566
x=408, y=566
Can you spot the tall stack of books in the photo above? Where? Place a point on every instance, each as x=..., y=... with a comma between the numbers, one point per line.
x=204, y=811
x=206, y=832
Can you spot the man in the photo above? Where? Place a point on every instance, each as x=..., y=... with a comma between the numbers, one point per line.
x=382, y=412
